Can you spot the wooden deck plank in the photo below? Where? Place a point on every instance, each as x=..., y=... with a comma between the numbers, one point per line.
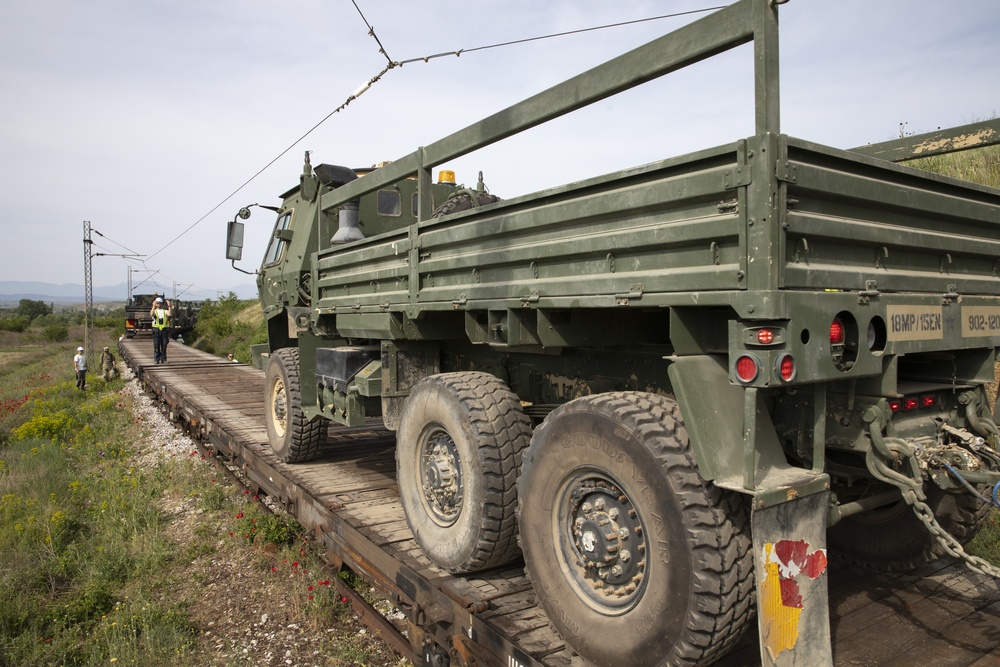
x=957, y=644
x=937, y=615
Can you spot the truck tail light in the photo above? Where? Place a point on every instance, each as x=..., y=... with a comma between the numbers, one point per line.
x=746, y=368
x=927, y=401
x=895, y=405
x=765, y=336
x=836, y=332
x=909, y=404
x=785, y=368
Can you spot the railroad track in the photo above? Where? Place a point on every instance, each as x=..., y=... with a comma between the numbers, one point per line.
x=941, y=614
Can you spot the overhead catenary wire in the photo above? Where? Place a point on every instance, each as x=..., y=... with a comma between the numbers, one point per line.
x=103, y=236
x=398, y=64
x=371, y=32
x=566, y=33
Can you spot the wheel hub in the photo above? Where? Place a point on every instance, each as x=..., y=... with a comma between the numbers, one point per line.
x=442, y=477
x=608, y=538
x=279, y=407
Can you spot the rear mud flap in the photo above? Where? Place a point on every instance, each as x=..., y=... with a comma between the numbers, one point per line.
x=793, y=607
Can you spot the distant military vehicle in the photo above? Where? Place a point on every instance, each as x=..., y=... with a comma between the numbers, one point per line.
x=184, y=314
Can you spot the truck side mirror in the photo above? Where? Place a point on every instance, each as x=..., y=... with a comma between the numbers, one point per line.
x=234, y=241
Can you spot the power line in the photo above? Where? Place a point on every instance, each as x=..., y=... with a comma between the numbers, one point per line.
x=371, y=32
x=115, y=242
x=555, y=34
x=394, y=64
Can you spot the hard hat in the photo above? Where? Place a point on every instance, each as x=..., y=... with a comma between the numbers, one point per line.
x=158, y=300
x=106, y=349
x=79, y=349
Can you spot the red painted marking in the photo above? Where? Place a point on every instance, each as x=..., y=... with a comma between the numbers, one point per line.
x=815, y=564
x=791, y=552
x=790, y=595
x=810, y=564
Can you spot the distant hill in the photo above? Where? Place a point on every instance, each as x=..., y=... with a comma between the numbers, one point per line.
x=12, y=291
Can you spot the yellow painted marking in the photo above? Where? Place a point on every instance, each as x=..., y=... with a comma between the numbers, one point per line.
x=780, y=623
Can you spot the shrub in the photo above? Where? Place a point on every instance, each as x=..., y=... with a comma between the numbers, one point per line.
x=17, y=323
x=276, y=528
x=56, y=332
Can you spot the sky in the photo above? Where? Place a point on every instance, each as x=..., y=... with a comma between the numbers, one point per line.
x=143, y=118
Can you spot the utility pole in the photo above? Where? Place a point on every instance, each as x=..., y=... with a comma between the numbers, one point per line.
x=88, y=282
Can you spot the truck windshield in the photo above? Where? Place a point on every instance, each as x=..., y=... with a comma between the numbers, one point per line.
x=277, y=247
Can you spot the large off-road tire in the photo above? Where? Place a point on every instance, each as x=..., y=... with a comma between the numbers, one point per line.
x=293, y=437
x=463, y=202
x=893, y=538
x=458, y=455
x=636, y=559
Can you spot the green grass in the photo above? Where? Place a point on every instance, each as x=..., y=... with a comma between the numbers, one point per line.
x=78, y=525
x=98, y=566
x=981, y=165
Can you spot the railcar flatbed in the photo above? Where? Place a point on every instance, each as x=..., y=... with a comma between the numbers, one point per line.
x=941, y=614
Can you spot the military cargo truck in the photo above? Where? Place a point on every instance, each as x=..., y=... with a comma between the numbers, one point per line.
x=667, y=387
x=137, y=319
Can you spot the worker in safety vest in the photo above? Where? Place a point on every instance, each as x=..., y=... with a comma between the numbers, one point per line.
x=161, y=329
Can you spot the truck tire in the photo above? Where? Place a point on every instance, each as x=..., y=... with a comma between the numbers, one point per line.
x=463, y=202
x=893, y=538
x=293, y=437
x=458, y=455
x=636, y=559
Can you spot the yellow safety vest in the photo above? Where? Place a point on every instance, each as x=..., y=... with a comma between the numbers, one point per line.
x=160, y=319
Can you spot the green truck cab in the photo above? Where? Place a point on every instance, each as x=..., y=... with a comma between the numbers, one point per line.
x=667, y=388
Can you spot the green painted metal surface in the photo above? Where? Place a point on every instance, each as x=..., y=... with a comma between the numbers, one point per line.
x=951, y=140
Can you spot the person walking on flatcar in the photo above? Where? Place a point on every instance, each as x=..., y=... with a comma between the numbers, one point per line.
x=161, y=329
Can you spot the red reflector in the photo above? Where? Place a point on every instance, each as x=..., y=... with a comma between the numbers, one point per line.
x=836, y=332
x=895, y=406
x=910, y=404
x=746, y=368
x=927, y=401
x=787, y=368
x=765, y=336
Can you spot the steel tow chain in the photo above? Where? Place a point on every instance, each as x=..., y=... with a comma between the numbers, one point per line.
x=912, y=490
x=951, y=546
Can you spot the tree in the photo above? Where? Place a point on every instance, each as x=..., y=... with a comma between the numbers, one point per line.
x=32, y=309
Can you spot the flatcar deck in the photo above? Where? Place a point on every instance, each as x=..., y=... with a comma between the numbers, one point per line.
x=942, y=614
